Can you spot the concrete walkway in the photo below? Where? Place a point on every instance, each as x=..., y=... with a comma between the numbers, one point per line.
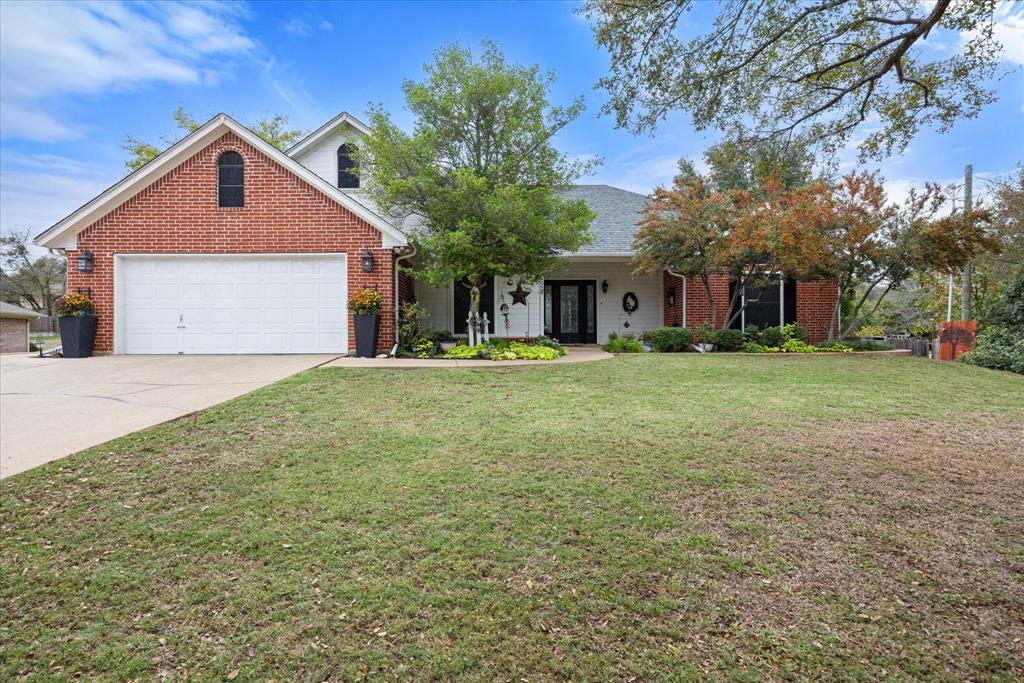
x=52, y=407
x=575, y=355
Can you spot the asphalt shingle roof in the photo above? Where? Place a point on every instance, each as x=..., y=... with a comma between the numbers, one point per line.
x=11, y=311
x=618, y=214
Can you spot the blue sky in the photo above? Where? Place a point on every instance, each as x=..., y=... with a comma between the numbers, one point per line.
x=76, y=78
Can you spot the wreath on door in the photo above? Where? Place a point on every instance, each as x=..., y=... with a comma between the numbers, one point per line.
x=629, y=302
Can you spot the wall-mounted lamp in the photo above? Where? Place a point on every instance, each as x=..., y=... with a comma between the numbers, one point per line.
x=85, y=262
x=672, y=297
x=367, y=261
x=604, y=286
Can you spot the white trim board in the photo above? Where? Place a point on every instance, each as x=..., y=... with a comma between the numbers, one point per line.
x=328, y=128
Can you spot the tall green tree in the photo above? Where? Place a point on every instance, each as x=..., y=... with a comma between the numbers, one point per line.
x=820, y=68
x=739, y=164
x=27, y=279
x=274, y=130
x=481, y=169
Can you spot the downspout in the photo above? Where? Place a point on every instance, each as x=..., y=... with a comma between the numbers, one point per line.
x=399, y=257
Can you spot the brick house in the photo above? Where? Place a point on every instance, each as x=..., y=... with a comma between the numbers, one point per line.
x=224, y=244
x=14, y=327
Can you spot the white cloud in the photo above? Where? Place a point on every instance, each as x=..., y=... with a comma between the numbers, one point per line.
x=298, y=27
x=289, y=84
x=49, y=50
x=637, y=172
x=36, y=199
x=1008, y=29
x=326, y=26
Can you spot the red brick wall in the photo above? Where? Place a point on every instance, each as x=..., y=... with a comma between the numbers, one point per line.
x=672, y=313
x=815, y=301
x=13, y=335
x=406, y=291
x=282, y=214
x=815, y=304
x=698, y=308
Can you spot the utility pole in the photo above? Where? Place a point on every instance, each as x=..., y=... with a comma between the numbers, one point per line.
x=965, y=301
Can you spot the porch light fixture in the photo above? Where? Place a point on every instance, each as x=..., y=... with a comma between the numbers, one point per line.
x=367, y=261
x=604, y=286
x=85, y=262
x=672, y=297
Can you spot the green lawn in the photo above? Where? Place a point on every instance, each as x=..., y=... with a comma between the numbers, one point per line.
x=647, y=517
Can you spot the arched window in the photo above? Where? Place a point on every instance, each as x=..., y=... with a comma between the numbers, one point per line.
x=231, y=180
x=346, y=178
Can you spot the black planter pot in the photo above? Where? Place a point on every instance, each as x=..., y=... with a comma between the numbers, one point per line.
x=77, y=336
x=367, y=333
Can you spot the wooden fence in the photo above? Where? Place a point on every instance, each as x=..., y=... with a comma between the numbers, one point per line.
x=45, y=325
x=956, y=337
x=916, y=345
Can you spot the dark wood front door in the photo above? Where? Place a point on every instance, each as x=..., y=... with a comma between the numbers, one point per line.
x=570, y=311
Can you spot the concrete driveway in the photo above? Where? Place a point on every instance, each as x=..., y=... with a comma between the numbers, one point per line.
x=52, y=407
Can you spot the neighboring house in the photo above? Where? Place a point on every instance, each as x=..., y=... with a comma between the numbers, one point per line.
x=14, y=321
x=224, y=244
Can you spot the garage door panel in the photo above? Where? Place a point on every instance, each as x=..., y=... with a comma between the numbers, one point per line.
x=233, y=304
x=304, y=316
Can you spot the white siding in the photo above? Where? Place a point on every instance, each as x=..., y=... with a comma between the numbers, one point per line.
x=618, y=273
x=322, y=158
x=528, y=320
x=438, y=303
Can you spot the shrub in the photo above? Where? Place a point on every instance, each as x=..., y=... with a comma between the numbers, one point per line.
x=627, y=343
x=464, y=351
x=728, y=340
x=997, y=348
x=425, y=347
x=550, y=343
x=671, y=339
x=751, y=333
x=410, y=323
x=871, y=331
x=834, y=347
x=794, y=331
x=73, y=306
x=754, y=347
x=533, y=352
x=365, y=302
x=797, y=346
x=1008, y=310
x=502, y=349
x=773, y=336
x=867, y=345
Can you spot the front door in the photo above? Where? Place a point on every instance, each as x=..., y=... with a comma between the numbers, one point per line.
x=570, y=311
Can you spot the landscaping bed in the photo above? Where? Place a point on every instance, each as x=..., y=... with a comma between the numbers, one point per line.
x=657, y=516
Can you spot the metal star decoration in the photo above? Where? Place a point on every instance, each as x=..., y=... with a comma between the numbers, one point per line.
x=519, y=294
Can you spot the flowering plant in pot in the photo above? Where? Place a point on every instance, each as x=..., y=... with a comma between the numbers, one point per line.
x=365, y=306
x=77, y=319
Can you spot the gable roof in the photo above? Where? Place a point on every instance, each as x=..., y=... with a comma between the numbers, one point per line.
x=325, y=130
x=11, y=311
x=617, y=221
x=62, y=234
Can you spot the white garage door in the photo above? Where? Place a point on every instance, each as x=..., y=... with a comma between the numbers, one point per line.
x=232, y=304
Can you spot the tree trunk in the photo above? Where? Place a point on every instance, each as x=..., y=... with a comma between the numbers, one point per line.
x=711, y=302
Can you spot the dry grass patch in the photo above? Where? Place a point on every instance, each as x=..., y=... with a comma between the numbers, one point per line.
x=904, y=534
